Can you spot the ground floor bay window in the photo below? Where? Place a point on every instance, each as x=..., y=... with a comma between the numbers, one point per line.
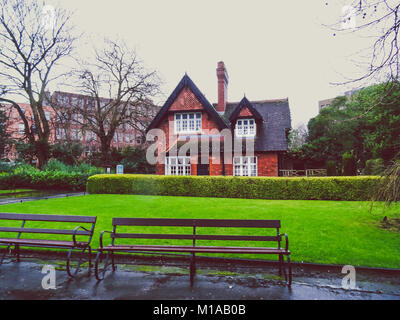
x=245, y=166
x=177, y=166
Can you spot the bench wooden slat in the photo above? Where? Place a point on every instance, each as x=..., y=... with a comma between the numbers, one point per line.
x=216, y=223
x=39, y=242
x=45, y=231
x=152, y=222
x=47, y=217
x=193, y=237
x=201, y=249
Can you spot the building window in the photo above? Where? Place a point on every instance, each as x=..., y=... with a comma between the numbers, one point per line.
x=187, y=122
x=177, y=166
x=60, y=133
x=90, y=136
x=21, y=128
x=47, y=115
x=129, y=138
x=245, y=166
x=139, y=139
x=245, y=128
x=76, y=134
x=77, y=117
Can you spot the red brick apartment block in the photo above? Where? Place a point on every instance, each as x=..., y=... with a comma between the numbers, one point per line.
x=68, y=126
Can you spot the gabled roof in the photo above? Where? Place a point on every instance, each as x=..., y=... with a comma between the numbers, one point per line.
x=186, y=82
x=244, y=104
x=276, y=120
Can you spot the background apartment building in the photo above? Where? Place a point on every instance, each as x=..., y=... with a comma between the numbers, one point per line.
x=64, y=111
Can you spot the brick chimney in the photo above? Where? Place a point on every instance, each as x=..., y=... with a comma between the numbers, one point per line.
x=223, y=80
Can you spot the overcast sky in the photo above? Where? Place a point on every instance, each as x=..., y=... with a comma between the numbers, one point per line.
x=272, y=49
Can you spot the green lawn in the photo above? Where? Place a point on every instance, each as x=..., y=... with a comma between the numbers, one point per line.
x=336, y=232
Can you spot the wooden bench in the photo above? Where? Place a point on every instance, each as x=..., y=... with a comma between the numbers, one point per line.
x=72, y=243
x=106, y=253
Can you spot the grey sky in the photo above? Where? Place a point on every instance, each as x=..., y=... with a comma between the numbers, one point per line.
x=272, y=49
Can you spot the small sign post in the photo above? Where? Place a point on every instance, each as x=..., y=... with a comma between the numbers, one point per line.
x=120, y=169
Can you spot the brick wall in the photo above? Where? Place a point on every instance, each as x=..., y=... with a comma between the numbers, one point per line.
x=267, y=163
x=245, y=112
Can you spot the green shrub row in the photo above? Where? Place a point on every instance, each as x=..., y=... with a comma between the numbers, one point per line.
x=54, y=176
x=358, y=188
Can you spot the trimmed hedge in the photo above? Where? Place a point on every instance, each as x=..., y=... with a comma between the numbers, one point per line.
x=45, y=180
x=54, y=176
x=358, y=188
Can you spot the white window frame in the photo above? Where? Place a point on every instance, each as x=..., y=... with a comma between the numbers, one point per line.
x=21, y=128
x=184, y=124
x=76, y=134
x=245, y=166
x=177, y=166
x=60, y=133
x=245, y=127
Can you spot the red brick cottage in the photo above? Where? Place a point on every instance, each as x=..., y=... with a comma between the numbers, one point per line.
x=248, y=138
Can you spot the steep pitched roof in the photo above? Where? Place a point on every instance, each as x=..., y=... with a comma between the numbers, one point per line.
x=242, y=105
x=187, y=82
x=275, y=122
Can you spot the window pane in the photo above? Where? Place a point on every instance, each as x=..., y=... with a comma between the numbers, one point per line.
x=198, y=124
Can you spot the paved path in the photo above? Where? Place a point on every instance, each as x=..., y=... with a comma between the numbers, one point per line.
x=39, y=196
x=171, y=281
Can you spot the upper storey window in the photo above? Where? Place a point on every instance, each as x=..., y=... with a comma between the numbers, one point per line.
x=188, y=122
x=245, y=128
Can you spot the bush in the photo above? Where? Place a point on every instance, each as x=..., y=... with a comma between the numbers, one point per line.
x=316, y=188
x=55, y=176
x=374, y=167
x=349, y=164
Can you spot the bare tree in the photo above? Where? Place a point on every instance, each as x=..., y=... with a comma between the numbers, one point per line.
x=121, y=91
x=380, y=21
x=34, y=38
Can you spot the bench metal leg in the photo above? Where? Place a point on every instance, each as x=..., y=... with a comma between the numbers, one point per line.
x=9, y=251
x=100, y=271
x=192, y=269
x=5, y=254
x=113, y=262
x=71, y=273
x=280, y=264
x=17, y=252
x=289, y=282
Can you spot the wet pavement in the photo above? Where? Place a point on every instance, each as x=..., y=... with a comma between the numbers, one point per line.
x=155, y=278
x=36, y=195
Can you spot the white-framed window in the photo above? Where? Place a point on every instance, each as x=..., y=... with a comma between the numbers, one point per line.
x=177, y=166
x=63, y=100
x=245, y=128
x=77, y=117
x=76, y=134
x=245, y=166
x=129, y=138
x=189, y=122
x=47, y=115
x=21, y=128
x=90, y=136
x=60, y=133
